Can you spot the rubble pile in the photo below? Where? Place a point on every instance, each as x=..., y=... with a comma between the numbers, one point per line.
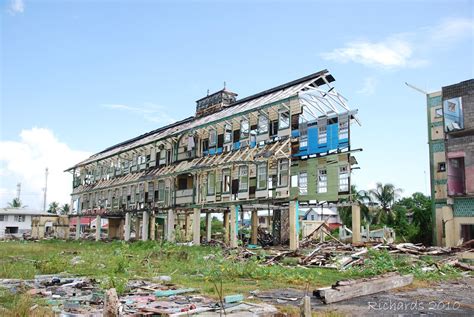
x=80, y=296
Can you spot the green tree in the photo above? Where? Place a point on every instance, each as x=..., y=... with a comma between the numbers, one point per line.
x=385, y=196
x=419, y=206
x=65, y=209
x=53, y=207
x=16, y=203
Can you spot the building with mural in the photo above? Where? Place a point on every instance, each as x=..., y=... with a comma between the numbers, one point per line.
x=451, y=150
x=280, y=149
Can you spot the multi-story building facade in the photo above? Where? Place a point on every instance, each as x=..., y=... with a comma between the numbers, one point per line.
x=277, y=149
x=451, y=148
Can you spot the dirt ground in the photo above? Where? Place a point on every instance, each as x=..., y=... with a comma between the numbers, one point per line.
x=447, y=298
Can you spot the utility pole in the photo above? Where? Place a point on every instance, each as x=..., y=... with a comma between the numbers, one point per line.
x=45, y=189
x=18, y=191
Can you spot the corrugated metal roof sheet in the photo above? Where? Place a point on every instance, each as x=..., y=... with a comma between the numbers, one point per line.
x=240, y=106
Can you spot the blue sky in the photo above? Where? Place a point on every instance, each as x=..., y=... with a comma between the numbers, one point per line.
x=79, y=76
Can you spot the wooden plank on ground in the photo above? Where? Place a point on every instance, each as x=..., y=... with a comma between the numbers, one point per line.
x=363, y=287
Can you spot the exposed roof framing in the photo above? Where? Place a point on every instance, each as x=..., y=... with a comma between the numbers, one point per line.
x=239, y=108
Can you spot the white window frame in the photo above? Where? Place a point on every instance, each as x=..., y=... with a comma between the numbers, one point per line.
x=211, y=183
x=161, y=190
x=322, y=181
x=244, y=133
x=322, y=134
x=226, y=182
x=227, y=133
x=212, y=138
x=303, y=183
x=343, y=129
x=344, y=178
x=283, y=172
x=243, y=178
x=262, y=176
x=286, y=124
x=262, y=124
x=20, y=218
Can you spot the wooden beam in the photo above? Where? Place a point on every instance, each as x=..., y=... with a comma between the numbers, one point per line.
x=343, y=290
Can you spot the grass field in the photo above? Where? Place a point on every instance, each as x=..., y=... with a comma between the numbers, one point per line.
x=114, y=263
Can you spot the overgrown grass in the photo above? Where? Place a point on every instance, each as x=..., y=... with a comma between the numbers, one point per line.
x=114, y=263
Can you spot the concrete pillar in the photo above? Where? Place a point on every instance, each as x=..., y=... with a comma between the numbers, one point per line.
x=233, y=226
x=254, y=228
x=78, y=228
x=98, y=227
x=145, y=225
x=293, y=223
x=152, y=227
x=448, y=220
x=196, y=226
x=226, y=227
x=137, y=227
x=170, y=234
x=128, y=225
x=356, y=224
x=208, y=226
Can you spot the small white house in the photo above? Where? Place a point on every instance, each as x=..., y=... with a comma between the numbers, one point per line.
x=16, y=221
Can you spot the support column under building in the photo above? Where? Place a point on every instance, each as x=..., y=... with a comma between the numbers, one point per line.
x=208, y=226
x=170, y=234
x=152, y=227
x=254, y=228
x=196, y=226
x=145, y=225
x=356, y=238
x=233, y=226
x=293, y=223
x=78, y=228
x=226, y=227
x=98, y=227
x=128, y=226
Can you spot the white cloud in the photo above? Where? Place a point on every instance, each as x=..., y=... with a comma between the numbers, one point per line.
x=402, y=50
x=368, y=89
x=149, y=111
x=25, y=161
x=16, y=6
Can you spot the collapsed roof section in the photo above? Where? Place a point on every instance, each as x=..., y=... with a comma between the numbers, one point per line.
x=314, y=91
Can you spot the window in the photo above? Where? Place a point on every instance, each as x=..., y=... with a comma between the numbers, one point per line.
x=211, y=183
x=2, y=218
x=284, y=119
x=227, y=133
x=438, y=112
x=262, y=124
x=303, y=134
x=243, y=178
x=151, y=190
x=442, y=167
x=19, y=218
x=283, y=173
x=124, y=194
x=244, y=129
x=141, y=192
x=343, y=129
x=262, y=176
x=303, y=183
x=322, y=181
x=161, y=190
x=132, y=193
x=322, y=135
x=226, y=180
x=273, y=128
x=343, y=179
x=205, y=146
x=212, y=138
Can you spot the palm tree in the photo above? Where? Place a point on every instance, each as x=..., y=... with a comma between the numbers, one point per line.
x=16, y=203
x=53, y=207
x=362, y=198
x=65, y=209
x=385, y=196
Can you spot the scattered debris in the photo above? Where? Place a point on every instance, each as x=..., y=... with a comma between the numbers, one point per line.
x=233, y=298
x=343, y=290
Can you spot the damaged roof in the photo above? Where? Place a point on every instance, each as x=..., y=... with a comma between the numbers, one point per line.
x=244, y=105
